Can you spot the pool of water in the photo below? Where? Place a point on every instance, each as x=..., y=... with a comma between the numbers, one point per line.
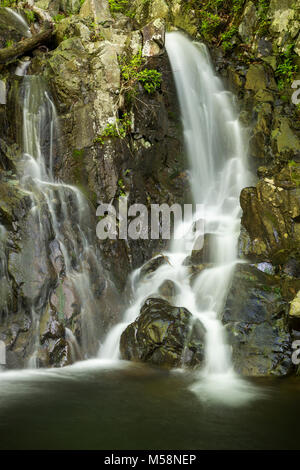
x=98, y=405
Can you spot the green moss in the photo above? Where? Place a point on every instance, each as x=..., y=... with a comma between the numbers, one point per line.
x=120, y=128
x=117, y=6
x=30, y=15
x=133, y=71
x=122, y=188
x=57, y=18
x=209, y=24
x=78, y=154
x=8, y=3
x=227, y=36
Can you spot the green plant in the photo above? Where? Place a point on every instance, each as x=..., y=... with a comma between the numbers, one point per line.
x=237, y=5
x=122, y=187
x=286, y=69
x=8, y=3
x=210, y=22
x=30, y=16
x=57, y=18
x=150, y=79
x=294, y=172
x=133, y=72
x=226, y=38
x=9, y=43
x=77, y=154
x=119, y=129
x=117, y=6
x=264, y=22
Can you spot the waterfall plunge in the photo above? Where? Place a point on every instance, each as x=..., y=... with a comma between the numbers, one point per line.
x=68, y=218
x=217, y=157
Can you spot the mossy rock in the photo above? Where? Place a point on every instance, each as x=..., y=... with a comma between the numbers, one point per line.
x=164, y=336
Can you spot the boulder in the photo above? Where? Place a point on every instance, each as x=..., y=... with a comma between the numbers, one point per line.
x=152, y=265
x=164, y=336
x=153, y=38
x=249, y=21
x=270, y=219
x=168, y=290
x=256, y=321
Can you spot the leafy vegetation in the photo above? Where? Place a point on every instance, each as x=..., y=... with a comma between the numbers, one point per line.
x=286, y=69
x=117, y=6
x=57, y=18
x=294, y=172
x=133, y=71
x=8, y=3
x=30, y=16
x=120, y=129
x=264, y=22
x=122, y=187
x=214, y=17
x=210, y=22
x=226, y=38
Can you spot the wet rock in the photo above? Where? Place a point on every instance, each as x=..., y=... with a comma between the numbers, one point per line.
x=168, y=290
x=60, y=353
x=256, y=321
x=152, y=265
x=164, y=336
x=202, y=249
x=270, y=219
x=50, y=327
x=10, y=28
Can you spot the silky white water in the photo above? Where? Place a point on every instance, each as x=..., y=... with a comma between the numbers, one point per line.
x=69, y=218
x=20, y=23
x=217, y=157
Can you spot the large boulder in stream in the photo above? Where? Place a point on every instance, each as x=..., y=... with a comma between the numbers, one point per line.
x=256, y=320
x=164, y=336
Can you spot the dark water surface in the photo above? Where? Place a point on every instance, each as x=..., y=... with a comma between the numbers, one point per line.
x=89, y=406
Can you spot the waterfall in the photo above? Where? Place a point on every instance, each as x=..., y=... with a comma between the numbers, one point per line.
x=217, y=158
x=68, y=217
x=19, y=22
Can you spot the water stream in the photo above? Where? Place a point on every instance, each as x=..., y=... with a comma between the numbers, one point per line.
x=19, y=22
x=217, y=156
x=67, y=211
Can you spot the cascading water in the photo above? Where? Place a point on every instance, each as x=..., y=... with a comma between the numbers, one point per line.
x=217, y=159
x=68, y=215
x=19, y=22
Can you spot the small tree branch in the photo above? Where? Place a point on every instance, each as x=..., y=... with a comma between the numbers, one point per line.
x=9, y=54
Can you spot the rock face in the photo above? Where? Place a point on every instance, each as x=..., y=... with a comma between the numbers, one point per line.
x=256, y=320
x=82, y=68
x=270, y=218
x=164, y=336
x=255, y=47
